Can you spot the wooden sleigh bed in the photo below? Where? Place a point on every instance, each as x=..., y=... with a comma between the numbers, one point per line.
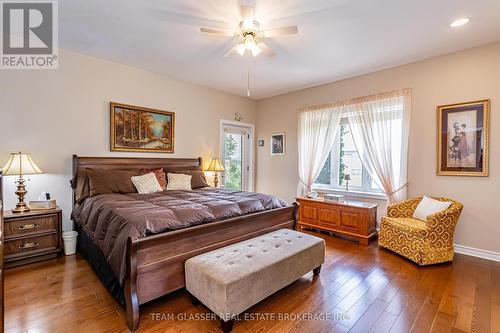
x=155, y=264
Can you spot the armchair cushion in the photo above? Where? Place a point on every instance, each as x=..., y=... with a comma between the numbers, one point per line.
x=406, y=223
x=429, y=206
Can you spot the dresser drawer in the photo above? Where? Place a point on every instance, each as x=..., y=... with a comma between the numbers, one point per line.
x=31, y=244
x=23, y=226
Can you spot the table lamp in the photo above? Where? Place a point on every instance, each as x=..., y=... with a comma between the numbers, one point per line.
x=20, y=164
x=347, y=178
x=216, y=166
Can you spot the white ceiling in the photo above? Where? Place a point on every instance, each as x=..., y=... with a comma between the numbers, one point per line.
x=337, y=38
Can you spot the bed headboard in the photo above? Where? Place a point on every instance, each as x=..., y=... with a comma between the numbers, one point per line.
x=124, y=163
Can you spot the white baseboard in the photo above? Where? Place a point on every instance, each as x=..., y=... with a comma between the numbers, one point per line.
x=470, y=251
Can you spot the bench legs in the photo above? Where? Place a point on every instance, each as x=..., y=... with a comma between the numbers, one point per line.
x=317, y=270
x=227, y=326
x=195, y=301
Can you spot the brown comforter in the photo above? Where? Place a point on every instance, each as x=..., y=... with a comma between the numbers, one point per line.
x=109, y=219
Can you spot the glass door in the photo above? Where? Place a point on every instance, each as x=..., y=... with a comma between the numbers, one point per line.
x=235, y=152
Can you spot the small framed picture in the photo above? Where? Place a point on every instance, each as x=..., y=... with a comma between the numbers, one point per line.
x=463, y=138
x=277, y=144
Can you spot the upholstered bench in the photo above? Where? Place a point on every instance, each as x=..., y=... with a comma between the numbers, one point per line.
x=232, y=279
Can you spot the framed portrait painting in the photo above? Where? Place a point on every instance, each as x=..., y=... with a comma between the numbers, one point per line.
x=139, y=129
x=463, y=138
x=277, y=144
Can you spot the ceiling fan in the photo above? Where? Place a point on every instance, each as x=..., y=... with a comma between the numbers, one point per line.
x=250, y=37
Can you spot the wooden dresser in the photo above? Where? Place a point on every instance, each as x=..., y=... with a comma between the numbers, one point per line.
x=32, y=236
x=354, y=219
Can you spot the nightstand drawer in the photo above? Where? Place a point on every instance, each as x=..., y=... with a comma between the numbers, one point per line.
x=29, y=244
x=28, y=225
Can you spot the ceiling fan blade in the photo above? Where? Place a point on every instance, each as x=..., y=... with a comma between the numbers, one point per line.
x=247, y=12
x=291, y=30
x=233, y=49
x=215, y=31
x=266, y=49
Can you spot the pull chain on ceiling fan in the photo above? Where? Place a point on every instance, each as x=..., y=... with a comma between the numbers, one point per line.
x=249, y=92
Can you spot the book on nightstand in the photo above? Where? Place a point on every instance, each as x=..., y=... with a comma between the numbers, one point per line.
x=42, y=204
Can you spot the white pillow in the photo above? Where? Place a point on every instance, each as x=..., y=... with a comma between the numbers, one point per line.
x=179, y=182
x=146, y=184
x=429, y=206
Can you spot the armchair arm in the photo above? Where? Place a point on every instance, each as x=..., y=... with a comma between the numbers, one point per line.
x=403, y=209
x=443, y=224
x=447, y=218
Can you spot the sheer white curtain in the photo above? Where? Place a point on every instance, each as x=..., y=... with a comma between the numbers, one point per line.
x=380, y=126
x=317, y=129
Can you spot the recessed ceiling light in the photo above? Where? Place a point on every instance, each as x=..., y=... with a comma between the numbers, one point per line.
x=460, y=22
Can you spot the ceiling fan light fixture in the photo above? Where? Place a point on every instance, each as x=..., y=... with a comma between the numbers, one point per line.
x=249, y=42
x=241, y=49
x=256, y=50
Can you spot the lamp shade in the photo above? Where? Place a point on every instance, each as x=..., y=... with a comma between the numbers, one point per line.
x=20, y=164
x=347, y=177
x=215, y=165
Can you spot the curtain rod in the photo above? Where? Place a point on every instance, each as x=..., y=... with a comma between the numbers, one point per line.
x=392, y=93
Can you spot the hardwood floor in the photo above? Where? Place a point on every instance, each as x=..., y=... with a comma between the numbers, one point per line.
x=363, y=288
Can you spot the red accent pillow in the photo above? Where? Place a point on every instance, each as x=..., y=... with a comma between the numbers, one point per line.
x=160, y=176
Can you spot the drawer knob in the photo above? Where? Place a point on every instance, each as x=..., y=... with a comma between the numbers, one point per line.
x=28, y=246
x=29, y=226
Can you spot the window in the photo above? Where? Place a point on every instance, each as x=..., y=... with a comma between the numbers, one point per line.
x=371, y=134
x=344, y=159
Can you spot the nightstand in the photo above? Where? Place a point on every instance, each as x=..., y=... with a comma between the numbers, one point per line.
x=32, y=236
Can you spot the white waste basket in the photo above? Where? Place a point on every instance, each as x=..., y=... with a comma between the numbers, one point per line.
x=69, y=238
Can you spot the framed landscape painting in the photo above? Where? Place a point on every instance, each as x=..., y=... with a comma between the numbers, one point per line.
x=139, y=129
x=463, y=138
x=277, y=144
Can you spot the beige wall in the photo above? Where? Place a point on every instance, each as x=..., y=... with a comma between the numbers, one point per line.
x=54, y=114
x=460, y=77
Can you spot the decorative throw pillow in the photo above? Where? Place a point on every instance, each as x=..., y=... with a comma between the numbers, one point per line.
x=111, y=181
x=198, y=178
x=180, y=182
x=146, y=184
x=160, y=175
x=429, y=206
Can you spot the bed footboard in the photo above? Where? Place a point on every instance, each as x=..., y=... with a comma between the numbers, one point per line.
x=155, y=265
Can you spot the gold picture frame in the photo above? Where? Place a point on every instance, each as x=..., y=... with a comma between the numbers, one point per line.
x=140, y=129
x=463, y=132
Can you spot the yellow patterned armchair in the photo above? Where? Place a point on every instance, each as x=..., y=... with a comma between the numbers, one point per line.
x=424, y=242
